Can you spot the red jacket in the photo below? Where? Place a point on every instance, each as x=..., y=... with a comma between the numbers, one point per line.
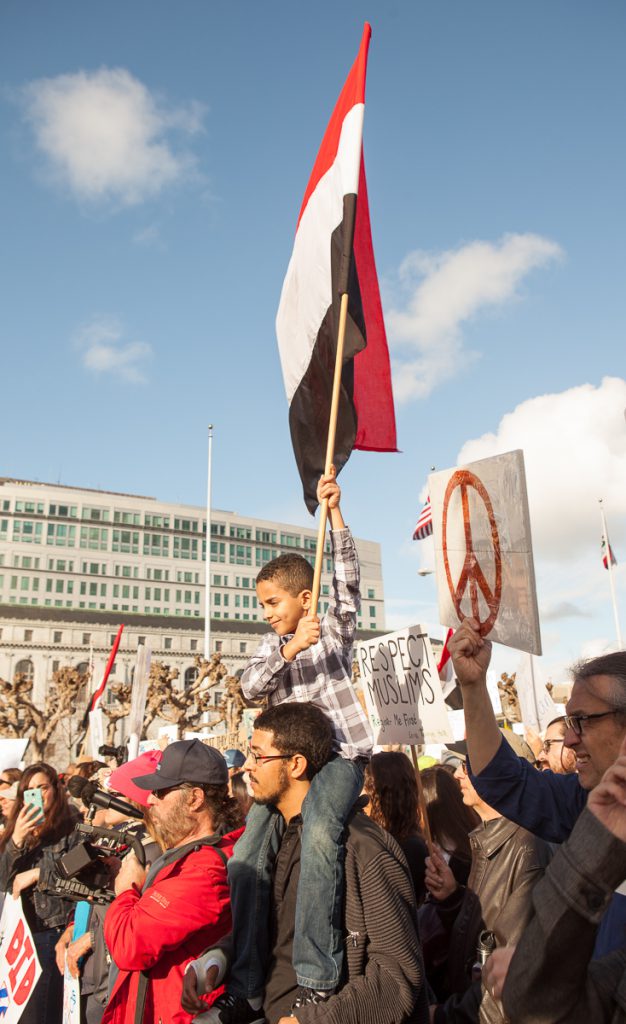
x=185, y=910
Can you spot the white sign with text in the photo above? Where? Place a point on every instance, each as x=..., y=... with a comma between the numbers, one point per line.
x=403, y=696
x=19, y=966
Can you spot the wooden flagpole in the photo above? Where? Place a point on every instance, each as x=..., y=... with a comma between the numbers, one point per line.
x=321, y=534
x=330, y=449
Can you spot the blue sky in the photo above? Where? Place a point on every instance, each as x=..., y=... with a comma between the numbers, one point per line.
x=154, y=158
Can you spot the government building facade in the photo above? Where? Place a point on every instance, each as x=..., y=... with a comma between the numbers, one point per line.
x=75, y=563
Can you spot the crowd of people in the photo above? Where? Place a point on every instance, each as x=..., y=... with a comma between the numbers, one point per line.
x=307, y=879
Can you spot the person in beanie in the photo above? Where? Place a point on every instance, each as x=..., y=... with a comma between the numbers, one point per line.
x=161, y=920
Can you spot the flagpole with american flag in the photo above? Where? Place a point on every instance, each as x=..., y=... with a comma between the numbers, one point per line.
x=330, y=328
x=609, y=561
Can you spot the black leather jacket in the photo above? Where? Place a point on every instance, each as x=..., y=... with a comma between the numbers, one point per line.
x=507, y=862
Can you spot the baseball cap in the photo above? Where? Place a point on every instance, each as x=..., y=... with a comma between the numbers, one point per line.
x=186, y=761
x=234, y=758
x=122, y=779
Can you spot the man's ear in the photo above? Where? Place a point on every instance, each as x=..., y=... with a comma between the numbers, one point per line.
x=299, y=768
x=306, y=596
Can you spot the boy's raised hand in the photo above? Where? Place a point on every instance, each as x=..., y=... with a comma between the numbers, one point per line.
x=329, y=488
x=307, y=631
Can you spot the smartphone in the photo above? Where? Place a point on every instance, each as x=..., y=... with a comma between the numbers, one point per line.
x=33, y=798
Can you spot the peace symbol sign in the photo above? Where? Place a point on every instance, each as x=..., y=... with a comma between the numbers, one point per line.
x=472, y=575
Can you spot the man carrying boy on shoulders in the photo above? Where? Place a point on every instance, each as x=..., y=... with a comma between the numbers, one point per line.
x=303, y=659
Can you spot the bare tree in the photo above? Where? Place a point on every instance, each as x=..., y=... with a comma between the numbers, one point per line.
x=183, y=707
x=20, y=716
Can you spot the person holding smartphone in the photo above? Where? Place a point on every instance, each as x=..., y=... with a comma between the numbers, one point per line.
x=37, y=833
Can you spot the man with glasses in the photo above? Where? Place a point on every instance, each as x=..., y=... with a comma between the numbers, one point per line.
x=554, y=756
x=546, y=803
x=160, y=920
x=383, y=979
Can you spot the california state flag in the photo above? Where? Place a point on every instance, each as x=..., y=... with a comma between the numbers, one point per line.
x=333, y=254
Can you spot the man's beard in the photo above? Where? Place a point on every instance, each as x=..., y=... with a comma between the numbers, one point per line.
x=177, y=826
x=282, y=785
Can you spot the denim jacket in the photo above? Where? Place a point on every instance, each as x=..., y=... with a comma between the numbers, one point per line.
x=52, y=911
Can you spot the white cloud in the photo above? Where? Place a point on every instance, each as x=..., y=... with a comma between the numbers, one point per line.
x=107, y=136
x=149, y=237
x=104, y=349
x=444, y=291
x=574, y=446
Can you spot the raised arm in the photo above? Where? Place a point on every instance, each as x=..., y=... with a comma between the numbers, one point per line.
x=471, y=656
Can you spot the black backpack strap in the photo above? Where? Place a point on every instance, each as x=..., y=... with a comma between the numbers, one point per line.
x=176, y=854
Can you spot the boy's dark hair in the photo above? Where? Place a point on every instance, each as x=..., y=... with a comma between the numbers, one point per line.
x=292, y=572
x=300, y=728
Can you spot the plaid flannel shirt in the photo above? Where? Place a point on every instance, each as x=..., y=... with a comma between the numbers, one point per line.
x=323, y=673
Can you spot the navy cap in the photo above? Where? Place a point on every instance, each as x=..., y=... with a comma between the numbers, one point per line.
x=234, y=758
x=186, y=761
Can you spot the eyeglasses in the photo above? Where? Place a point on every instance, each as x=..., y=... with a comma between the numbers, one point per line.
x=575, y=722
x=547, y=744
x=261, y=758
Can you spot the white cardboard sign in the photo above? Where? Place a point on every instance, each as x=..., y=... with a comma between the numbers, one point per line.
x=71, y=997
x=536, y=704
x=11, y=753
x=483, y=550
x=398, y=674
x=19, y=966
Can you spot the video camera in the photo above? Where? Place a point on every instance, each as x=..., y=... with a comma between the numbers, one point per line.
x=119, y=753
x=83, y=873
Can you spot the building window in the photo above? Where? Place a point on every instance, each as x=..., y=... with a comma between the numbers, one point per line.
x=167, y=643
x=372, y=611
x=57, y=637
x=218, y=646
x=193, y=645
x=26, y=668
x=370, y=593
x=28, y=636
x=86, y=639
x=190, y=676
x=243, y=648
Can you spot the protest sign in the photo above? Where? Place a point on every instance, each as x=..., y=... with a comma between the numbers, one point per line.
x=96, y=732
x=404, y=702
x=536, y=704
x=19, y=966
x=71, y=997
x=139, y=695
x=483, y=550
x=11, y=753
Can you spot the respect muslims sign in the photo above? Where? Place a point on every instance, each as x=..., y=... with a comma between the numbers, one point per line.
x=403, y=695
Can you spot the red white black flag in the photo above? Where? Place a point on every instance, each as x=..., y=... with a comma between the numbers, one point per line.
x=332, y=227
x=607, y=556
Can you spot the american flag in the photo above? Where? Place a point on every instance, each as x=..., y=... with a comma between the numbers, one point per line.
x=424, y=527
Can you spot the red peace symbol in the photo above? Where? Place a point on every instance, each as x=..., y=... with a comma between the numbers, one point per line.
x=472, y=575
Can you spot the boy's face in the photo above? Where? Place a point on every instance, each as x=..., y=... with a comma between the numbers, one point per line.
x=282, y=610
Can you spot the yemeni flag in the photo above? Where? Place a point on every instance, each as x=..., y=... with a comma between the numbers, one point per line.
x=332, y=255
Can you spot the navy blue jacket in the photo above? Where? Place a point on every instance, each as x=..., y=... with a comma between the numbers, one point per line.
x=548, y=805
